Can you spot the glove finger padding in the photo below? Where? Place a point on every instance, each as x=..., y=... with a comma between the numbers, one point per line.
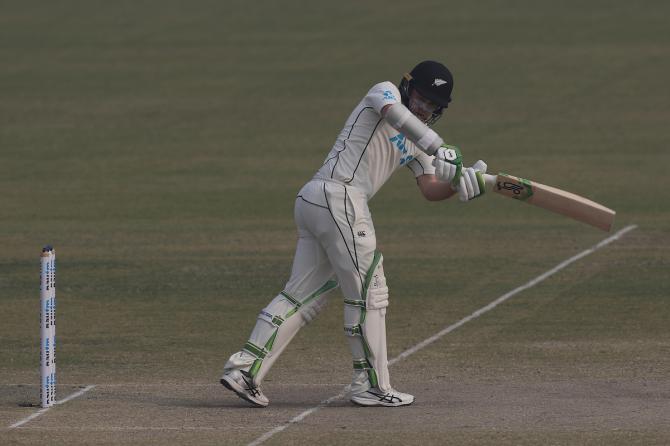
x=466, y=184
x=474, y=184
x=462, y=190
x=471, y=184
x=480, y=166
x=444, y=171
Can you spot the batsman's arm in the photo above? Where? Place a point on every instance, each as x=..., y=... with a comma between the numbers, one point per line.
x=401, y=119
x=448, y=160
x=433, y=189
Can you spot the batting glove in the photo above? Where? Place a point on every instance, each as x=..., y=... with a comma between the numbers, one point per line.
x=471, y=184
x=448, y=164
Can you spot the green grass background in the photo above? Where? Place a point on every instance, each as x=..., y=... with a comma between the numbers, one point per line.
x=159, y=146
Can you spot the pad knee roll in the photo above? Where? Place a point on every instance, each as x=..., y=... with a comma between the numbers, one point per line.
x=378, y=292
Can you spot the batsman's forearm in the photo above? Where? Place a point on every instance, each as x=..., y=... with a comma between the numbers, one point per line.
x=403, y=120
x=433, y=189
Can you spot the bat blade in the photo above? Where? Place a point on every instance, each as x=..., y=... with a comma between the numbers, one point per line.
x=553, y=199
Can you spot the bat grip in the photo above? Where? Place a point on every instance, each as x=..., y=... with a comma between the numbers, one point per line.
x=490, y=180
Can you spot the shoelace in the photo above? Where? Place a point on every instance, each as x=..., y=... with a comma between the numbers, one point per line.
x=253, y=390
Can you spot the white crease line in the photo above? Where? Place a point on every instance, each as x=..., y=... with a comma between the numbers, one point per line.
x=298, y=418
x=212, y=384
x=223, y=428
x=509, y=294
x=449, y=329
x=46, y=409
x=31, y=417
x=75, y=395
x=184, y=385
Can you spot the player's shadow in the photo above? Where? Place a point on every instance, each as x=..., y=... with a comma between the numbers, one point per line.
x=230, y=401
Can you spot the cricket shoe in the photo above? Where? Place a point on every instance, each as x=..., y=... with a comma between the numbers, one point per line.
x=244, y=387
x=376, y=397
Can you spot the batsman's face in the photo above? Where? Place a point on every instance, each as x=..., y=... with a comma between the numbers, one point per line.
x=420, y=106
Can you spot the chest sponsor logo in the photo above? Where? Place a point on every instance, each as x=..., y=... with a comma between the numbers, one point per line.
x=399, y=142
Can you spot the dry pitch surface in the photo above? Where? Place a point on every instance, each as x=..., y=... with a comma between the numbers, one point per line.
x=471, y=388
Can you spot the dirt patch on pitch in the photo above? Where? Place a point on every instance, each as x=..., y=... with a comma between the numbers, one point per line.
x=492, y=412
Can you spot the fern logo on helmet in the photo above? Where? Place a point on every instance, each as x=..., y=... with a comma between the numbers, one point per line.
x=437, y=82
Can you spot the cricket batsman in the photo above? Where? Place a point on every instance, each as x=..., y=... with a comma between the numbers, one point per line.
x=388, y=129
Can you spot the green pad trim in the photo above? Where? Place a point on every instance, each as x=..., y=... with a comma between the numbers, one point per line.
x=358, y=330
x=361, y=364
x=255, y=367
x=291, y=299
x=324, y=289
x=261, y=353
x=255, y=350
x=271, y=341
x=372, y=376
x=364, y=364
x=297, y=304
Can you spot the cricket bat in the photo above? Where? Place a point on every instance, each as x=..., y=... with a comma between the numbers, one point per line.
x=553, y=199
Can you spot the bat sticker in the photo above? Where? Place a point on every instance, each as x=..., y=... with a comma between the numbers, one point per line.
x=521, y=188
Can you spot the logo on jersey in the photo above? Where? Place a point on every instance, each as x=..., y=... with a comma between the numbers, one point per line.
x=361, y=233
x=388, y=94
x=437, y=82
x=399, y=141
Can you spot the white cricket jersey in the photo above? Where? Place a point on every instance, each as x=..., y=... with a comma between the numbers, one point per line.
x=368, y=150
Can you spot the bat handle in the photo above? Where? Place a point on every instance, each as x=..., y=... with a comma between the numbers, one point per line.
x=490, y=179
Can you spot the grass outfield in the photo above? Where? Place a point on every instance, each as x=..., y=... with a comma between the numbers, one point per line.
x=159, y=146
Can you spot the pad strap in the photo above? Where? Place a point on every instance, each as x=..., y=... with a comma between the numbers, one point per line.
x=364, y=364
x=258, y=352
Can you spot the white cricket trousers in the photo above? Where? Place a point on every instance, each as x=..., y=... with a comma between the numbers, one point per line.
x=336, y=245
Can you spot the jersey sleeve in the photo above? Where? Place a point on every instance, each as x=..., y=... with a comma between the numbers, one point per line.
x=422, y=164
x=382, y=94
